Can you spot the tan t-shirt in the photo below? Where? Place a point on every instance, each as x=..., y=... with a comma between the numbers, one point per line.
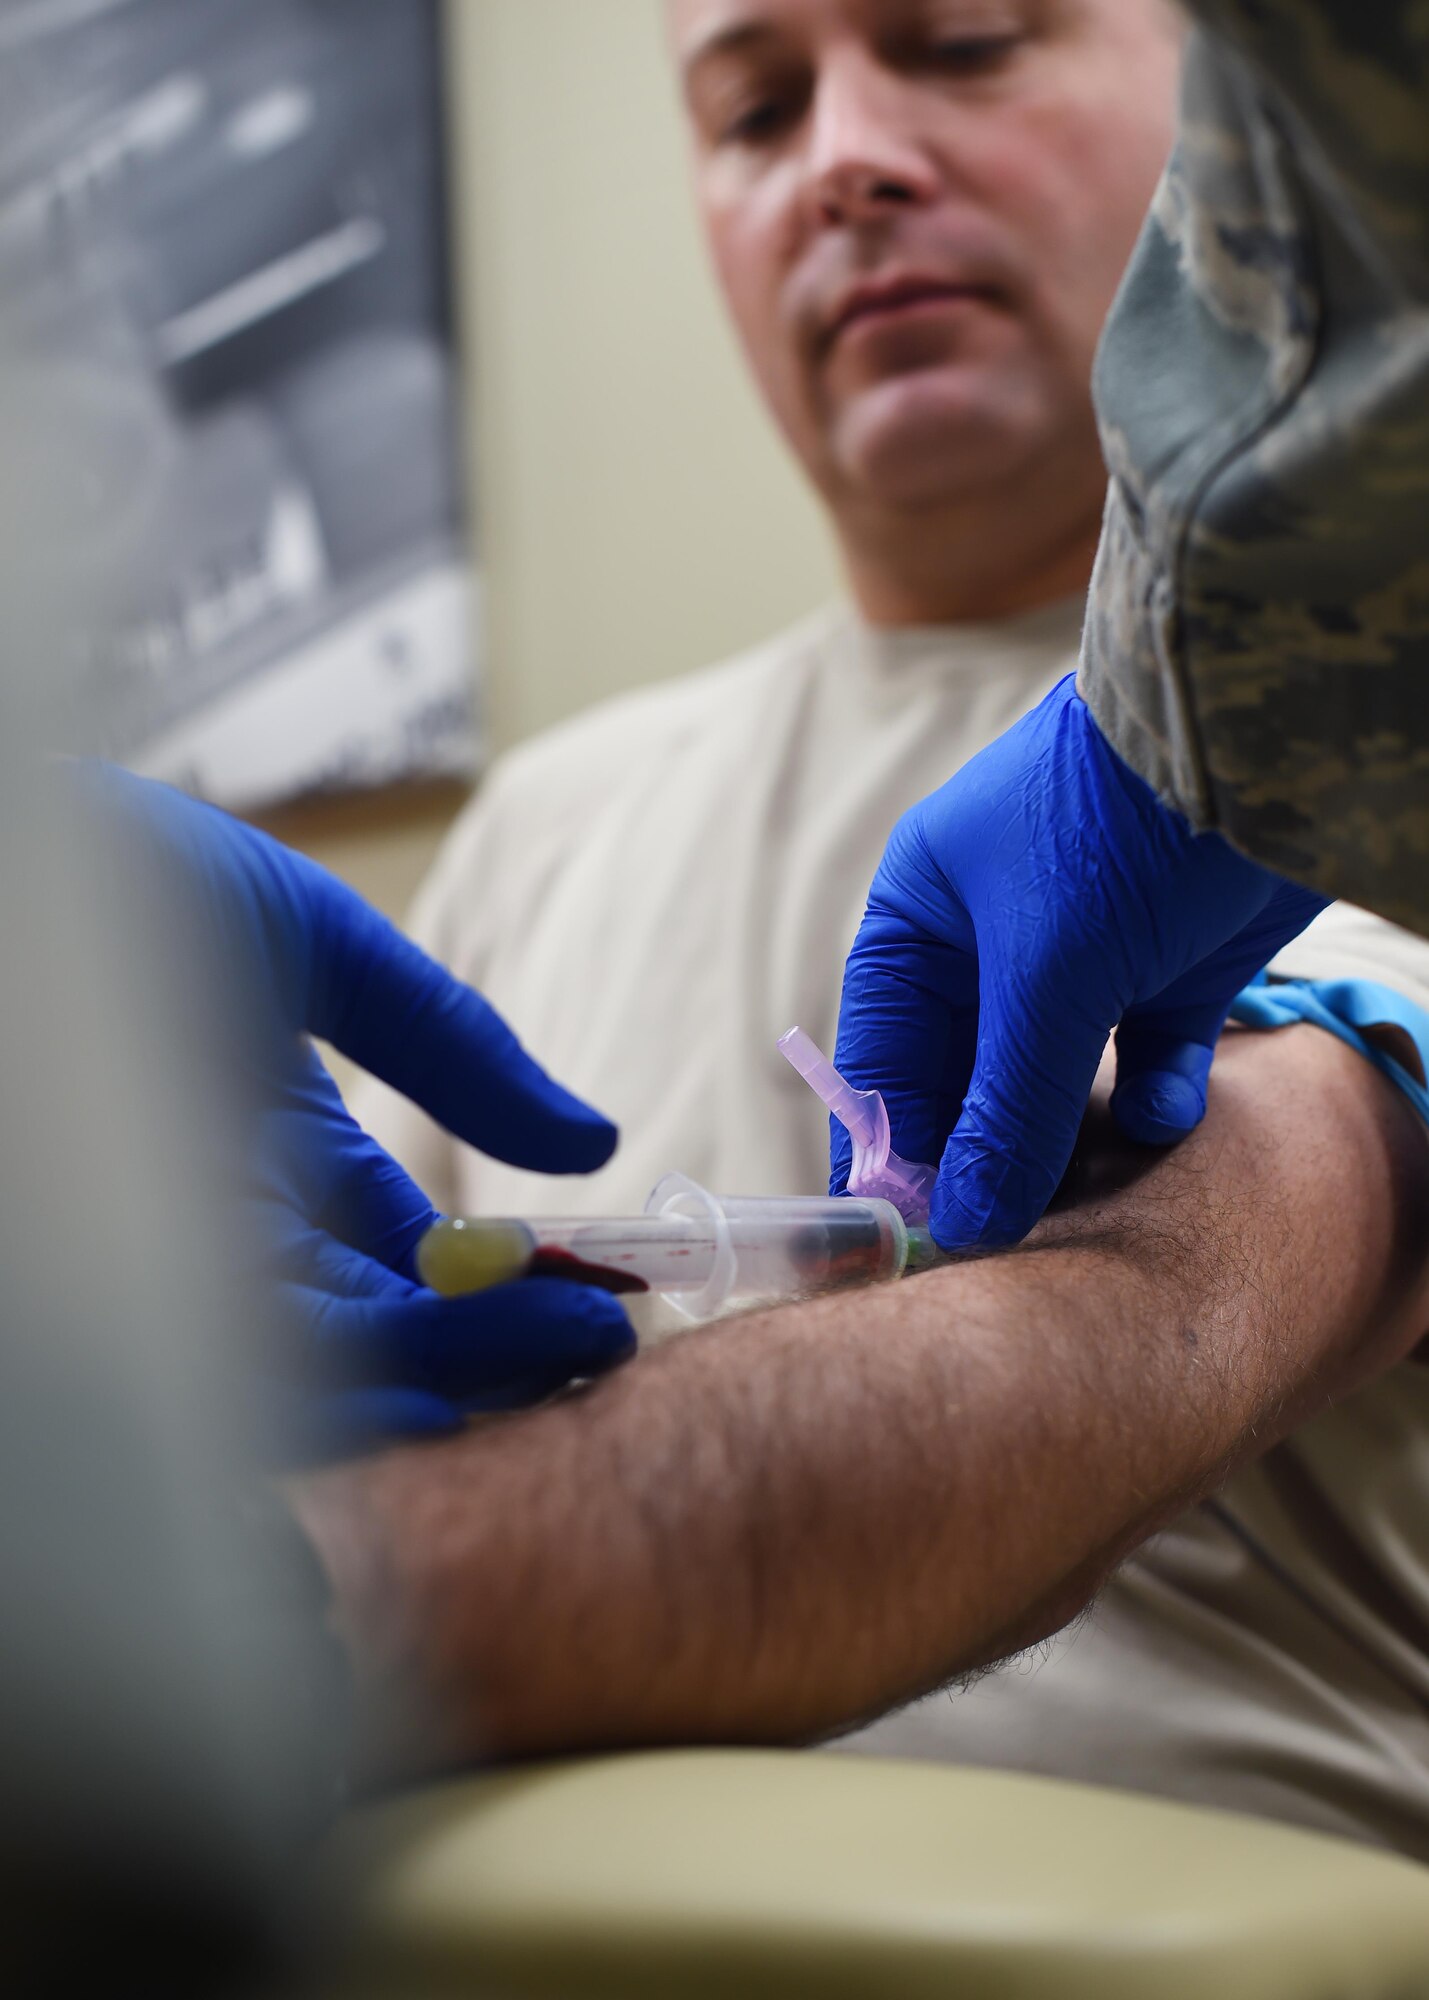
x=651, y=895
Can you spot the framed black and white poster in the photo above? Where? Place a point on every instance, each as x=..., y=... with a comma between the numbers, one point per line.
x=223, y=222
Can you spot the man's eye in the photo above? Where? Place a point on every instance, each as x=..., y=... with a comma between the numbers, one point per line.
x=758, y=122
x=971, y=55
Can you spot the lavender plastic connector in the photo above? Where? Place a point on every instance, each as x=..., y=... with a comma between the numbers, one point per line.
x=876, y=1170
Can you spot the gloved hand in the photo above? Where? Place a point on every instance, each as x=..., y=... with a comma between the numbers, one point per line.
x=1042, y=898
x=355, y=1348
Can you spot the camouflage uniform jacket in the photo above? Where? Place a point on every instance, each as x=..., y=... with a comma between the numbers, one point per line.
x=1257, y=639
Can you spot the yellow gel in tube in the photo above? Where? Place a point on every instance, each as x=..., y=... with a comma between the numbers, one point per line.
x=457, y=1256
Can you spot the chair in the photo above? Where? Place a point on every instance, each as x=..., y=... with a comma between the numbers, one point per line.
x=752, y=1873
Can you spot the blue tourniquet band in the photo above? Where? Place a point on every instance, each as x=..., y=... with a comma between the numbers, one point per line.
x=1343, y=1007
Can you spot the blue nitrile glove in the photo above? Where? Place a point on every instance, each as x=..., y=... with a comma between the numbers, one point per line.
x=279, y=949
x=1042, y=898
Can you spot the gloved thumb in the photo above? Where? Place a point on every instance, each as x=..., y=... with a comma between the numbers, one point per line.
x=1036, y=1063
x=1163, y=1063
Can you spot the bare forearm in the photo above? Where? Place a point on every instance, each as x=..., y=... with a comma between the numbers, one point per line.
x=767, y=1529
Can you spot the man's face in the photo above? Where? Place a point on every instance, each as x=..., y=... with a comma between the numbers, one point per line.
x=919, y=210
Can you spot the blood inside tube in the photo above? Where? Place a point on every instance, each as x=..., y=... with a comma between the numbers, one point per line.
x=549, y=1260
x=629, y=1254
x=842, y=1250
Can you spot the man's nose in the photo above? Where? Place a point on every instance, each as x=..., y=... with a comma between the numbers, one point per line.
x=864, y=157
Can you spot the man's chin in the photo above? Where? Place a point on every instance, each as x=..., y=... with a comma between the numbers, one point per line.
x=926, y=441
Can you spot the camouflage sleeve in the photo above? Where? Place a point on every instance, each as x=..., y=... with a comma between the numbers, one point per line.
x=1257, y=640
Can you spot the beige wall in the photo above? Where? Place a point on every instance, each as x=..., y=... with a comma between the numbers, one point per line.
x=638, y=517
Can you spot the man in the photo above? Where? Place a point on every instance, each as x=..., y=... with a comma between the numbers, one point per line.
x=918, y=219
x=918, y=231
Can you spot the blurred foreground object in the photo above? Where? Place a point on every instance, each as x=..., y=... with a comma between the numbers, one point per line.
x=171, y=1714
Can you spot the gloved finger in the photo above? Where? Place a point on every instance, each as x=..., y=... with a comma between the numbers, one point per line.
x=282, y=947
x=1036, y=1062
x=908, y=1029
x=1162, y=1071
x=1165, y=1045
x=460, y=1348
x=301, y=1430
x=337, y=1174
x=292, y=1249
x=373, y=994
